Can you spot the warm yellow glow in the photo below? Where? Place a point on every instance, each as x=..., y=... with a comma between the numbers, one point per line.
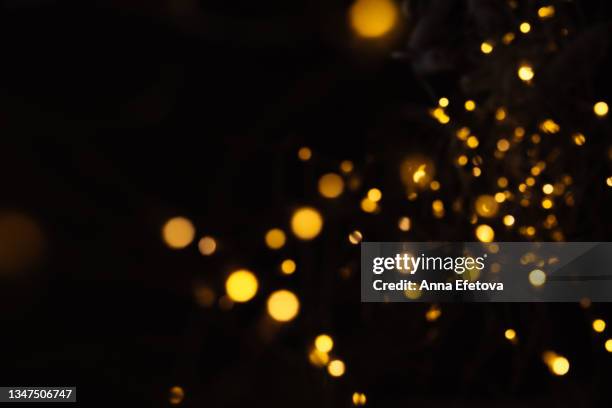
x=476, y=172
x=283, y=305
x=241, y=286
x=486, y=206
x=525, y=27
x=462, y=160
x=548, y=188
x=470, y=105
x=440, y=115
x=609, y=181
x=434, y=185
x=355, y=237
x=525, y=72
x=324, y=343
x=530, y=181
x=508, y=220
x=549, y=126
x=336, y=368
x=537, y=277
x=508, y=38
x=359, y=399
x=331, y=185
x=560, y=365
x=463, y=133
x=600, y=108
x=438, y=208
x=373, y=18
x=502, y=182
x=318, y=358
x=485, y=233
x=547, y=203
x=579, y=139
x=207, y=245
x=419, y=174
x=275, y=238
x=416, y=171
x=599, y=325
x=433, y=313
x=304, y=153
x=177, y=394
x=519, y=132
x=368, y=205
x=503, y=145
x=288, y=266
x=178, y=232
x=510, y=334
x=346, y=166
x=472, y=142
x=404, y=224
x=609, y=345
x=500, y=114
x=546, y=12
x=306, y=223
x=443, y=102
x=500, y=197
x=486, y=47
x=374, y=194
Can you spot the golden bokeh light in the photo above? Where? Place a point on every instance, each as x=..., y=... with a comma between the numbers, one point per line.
x=177, y=394
x=374, y=194
x=485, y=233
x=404, y=224
x=508, y=220
x=318, y=358
x=600, y=108
x=579, y=139
x=472, y=142
x=525, y=72
x=324, y=343
x=510, y=334
x=275, y=238
x=560, y=366
x=549, y=126
x=306, y=223
x=486, y=206
x=331, y=185
x=469, y=105
x=608, y=345
x=368, y=205
x=599, y=325
x=486, y=47
x=525, y=27
x=336, y=368
x=546, y=12
x=548, y=188
x=500, y=114
x=433, y=313
x=417, y=172
x=241, y=285
x=288, y=266
x=178, y=232
x=304, y=153
x=283, y=306
x=537, y=277
x=207, y=245
x=443, y=102
x=508, y=38
x=373, y=18
x=359, y=399
x=355, y=237
x=503, y=145
x=346, y=166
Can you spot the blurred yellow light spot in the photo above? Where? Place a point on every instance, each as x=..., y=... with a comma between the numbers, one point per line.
x=502, y=182
x=241, y=286
x=472, y=142
x=443, y=102
x=438, y=208
x=434, y=185
x=530, y=181
x=178, y=232
x=609, y=345
x=346, y=166
x=609, y=181
x=560, y=365
x=275, y=238
x=503, y=145
x=374, y=194
x=419, y=174
x=368, y=205
x=404, y=224
x=537, y=277
x=508, y=220
x=433, y=313
x=519, y=132
x=283, y=305
x=486, y=206
x=331, y=185
x=600, y=108
x=355, y=237
x=463, y=133
x=549, y=126
x=306, y=223
x=546, y=12
x=547, y=203
x=500, y=197
x=578, y=139
x=318, y=358
x=500, y=114
x=373, y=18
x=462, y=160
x=324, y=343
x=336, y=368
x=486, y=47
x=510, y=334
x=599, y=325
x=548, y=188
x=207, y=245
x=304, y=153
x=177, y=394
x=476, y=172
x=470, y=105
x=508, y=38
x=525, y=27
x=288, y=266
x=204, y=296
x=485, y=233
x=359, y=399
x=525, y=72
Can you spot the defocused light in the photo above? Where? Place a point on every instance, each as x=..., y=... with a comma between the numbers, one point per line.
x=485, y=233
x=549, y=126
x=355, y=237
x=346, y=166
x=373, y=18
x=359, y=399
x=331, y=185
x=177, y=394
x=374, y=194
x=486, y=47
x=500, y=197
x=275, y=238
x=609, y=345
x=443, y=102
x=404, y=224
x=548, y=188
x=306, y=223
x=318, y=358
x=508, y=38
x=560, y=365
x=525, y=72
x=472, y=142
x=486, y=206
x=547, y=203
x=207, y=245
x=437, y=207
x=241, y=286
x=470, y=105
x=368, y=205
x=503, y=145
x=204, y=295
x=510, y=334
x=502, y=182
x=178, y=232
x=288, y=266
x=599, y=325
x=283, y=305
x=525, y=27
x=324, y=343
x=336, y=368
x=433, y=313
x=462, y=160
x=500, y=114
x=578, y=139
x=609, y=181
x=508, y=220
x=600, y=108
x=434, y=185
x=537, y=277
x=546, y=12
x=304, y=153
